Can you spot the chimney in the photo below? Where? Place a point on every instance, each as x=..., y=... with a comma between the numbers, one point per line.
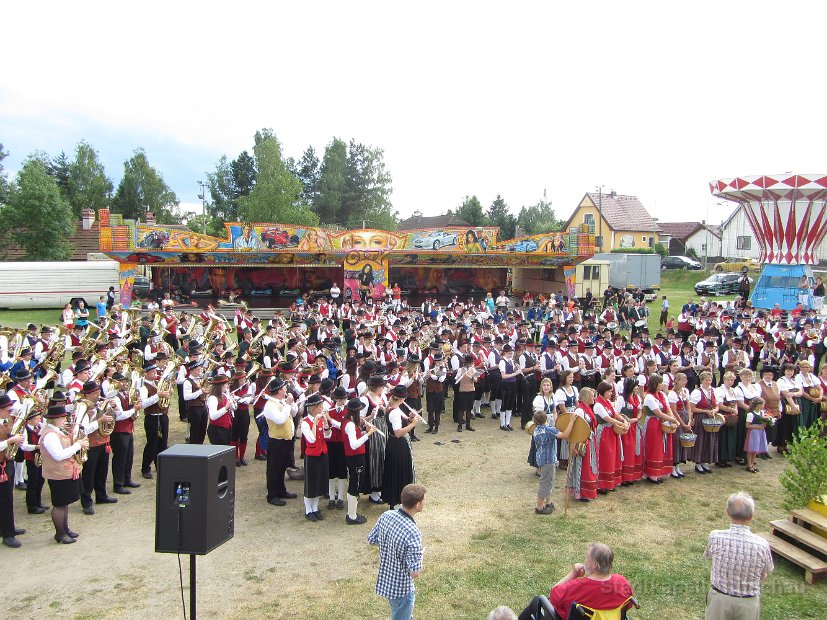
x=613, y=194
x=150, y=217
x=87, y=218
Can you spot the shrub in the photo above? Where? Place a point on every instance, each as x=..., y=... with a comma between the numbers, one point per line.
x=805, y=477
x=633, y=251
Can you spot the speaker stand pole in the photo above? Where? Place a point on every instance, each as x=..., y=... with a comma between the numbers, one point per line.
x=192, y=587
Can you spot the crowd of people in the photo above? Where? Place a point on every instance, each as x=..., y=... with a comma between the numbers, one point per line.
x=345, y=386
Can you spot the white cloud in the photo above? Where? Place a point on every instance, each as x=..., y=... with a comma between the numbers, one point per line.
x=653, y=99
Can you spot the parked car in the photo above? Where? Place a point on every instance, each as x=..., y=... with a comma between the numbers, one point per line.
x=738, y=265
x=435, y=239
x=680, y=262
x=720, y=284
x=141, y=286
x=526, y=245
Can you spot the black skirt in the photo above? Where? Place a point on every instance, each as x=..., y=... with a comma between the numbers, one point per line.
x=399, y=469
x=64, y=492
x=337, y=467
x=315, y=475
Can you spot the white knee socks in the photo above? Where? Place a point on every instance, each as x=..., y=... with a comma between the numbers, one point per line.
x=352, y=502
x=502, y=419
x=331, y=488
x=341, y=487
x=19, y=471
x=308, y=505
x=508, y=417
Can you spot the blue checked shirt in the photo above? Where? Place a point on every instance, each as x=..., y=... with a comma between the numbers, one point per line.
x=400, y=553
x=740, y=560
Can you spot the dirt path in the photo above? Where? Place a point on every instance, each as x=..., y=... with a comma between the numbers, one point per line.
x=113, y=570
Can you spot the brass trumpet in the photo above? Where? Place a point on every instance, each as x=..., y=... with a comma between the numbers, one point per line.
x=18, y=428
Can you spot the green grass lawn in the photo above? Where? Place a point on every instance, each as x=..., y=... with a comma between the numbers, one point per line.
x=21, y=318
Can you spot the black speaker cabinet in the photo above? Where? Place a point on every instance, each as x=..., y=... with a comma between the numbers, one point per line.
x=195, y=504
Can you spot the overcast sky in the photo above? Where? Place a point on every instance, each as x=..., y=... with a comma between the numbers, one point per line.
x=653, y=99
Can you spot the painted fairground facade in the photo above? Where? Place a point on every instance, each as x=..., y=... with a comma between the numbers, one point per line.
x=258, y=259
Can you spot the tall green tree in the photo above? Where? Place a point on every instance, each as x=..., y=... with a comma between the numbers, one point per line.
x=222, y=204
x=368, y=192
x=538, y=218
x=276, y=196
x=332, y=187
x=4, y=183
x=471, y=211
x=58, y=168
x=500, y=215
x=308, y=171
x=89, y=187
x=143, y=189
x=244, y=175
x=37, y=216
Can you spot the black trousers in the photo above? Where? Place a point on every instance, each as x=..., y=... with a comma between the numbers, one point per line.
x=34, y=485
x=494, y=382
x=218, y=435
x=7, y=501
x=455, y=406
x=123, y=453
x=197, y=417
x=435, y=402
x=530, y=389
x=157, y=435
x=279, y=452
x=182, y=404
x=241, y=424
x=355, y=471
x=93, y=476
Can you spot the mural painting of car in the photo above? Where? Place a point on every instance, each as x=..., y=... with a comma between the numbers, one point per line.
x=277, y=238
x=144, y=258
x=526, y=245
x=435, y=240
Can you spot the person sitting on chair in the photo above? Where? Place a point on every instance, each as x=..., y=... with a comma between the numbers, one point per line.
x=591, y=584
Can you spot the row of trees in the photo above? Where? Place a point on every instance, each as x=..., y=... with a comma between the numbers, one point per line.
x=532, y=220
x=349, y=186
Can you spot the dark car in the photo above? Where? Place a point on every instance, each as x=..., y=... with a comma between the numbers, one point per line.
x=141, y=286
x=679, y=262
x=719, y=284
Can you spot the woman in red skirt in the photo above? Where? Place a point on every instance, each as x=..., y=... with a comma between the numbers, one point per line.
x=657, y=459
x=608, y=441
x=630, y=406
x=582, y=476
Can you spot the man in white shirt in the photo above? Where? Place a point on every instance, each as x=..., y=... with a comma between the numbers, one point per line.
x=279, y=412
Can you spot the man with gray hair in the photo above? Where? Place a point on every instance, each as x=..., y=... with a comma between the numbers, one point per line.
x=741, y=561
x=591, y=583
x=502, y=612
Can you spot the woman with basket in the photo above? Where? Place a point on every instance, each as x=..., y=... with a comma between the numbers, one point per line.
x=728, y=398
x=790, y=412
x=657, y=456
x=811, y=394
x=610, y=427
x=630, y=406
x=683, y=440
x=772, y=403
x=705, y=422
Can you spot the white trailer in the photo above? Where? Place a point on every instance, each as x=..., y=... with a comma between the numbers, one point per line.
x=55, y=284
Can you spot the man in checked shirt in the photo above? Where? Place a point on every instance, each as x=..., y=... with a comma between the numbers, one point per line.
x=740, y=563
x=400, y=552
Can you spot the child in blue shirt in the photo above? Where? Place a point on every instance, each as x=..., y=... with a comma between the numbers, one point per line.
x=545, y=441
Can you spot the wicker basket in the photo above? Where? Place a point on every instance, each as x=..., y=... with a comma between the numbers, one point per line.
x=668, y=427
x=712, y=425
x=688, y=440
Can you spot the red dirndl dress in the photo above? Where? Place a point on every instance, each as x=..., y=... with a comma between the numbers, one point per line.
x=584, y=468
x=657, y=460
x=608, y=452
x=632, y=442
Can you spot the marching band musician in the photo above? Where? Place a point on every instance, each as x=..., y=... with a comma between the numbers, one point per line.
x=7, y=529
x=156, y=421
x=435, y=376
x=354, y=448
x=466, y=379
x=122, y=440
x=375, y=403
x=315, y=428
x=279, y=411
x=337, y=466
x=264, y=376
x=34, y=472
x=220, y=408
x=96, y=468
x=243, y=392
x=196, y=408
x=529, y=367
x=61, y=469
x=399, y=467
x=508, y=387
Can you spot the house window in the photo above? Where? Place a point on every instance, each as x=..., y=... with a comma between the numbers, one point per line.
x=744, y=243
x=588, y=218
x=587, y=272
x=598, y=241
x=703, y=247
x=595, y=272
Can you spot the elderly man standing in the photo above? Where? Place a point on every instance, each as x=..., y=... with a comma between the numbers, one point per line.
x=741, y=561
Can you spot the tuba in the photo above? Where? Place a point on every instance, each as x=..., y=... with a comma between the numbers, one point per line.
x=165, y=384
x=81, y=411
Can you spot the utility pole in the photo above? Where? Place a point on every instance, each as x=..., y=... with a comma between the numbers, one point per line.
x=203, y=197
x=599, y=189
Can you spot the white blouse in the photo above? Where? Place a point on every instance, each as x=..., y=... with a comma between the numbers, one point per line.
x=785, y=384
x=652, y=403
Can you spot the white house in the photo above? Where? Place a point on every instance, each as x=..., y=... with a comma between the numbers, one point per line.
x=703, y=240
x=738, y=240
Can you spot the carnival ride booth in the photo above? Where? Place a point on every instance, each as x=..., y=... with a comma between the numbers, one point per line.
x=270, y=262
x=788, y=216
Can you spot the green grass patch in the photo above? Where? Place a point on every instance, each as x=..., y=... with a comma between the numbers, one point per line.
x=21, y=318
